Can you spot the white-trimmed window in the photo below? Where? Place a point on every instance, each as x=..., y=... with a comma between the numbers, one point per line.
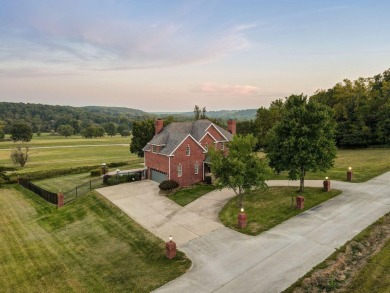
x=179, y=170
x=222, y=145
x=154, y=149
x=206, y=147
x=188, y=150
x=196, y=167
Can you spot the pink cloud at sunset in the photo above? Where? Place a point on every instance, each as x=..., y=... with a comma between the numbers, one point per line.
x=227, y=89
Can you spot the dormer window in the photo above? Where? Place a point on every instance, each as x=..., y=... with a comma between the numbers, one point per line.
x=154, y=149
x=188, y=150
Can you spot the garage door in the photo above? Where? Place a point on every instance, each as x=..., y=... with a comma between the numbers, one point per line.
x=158, y=176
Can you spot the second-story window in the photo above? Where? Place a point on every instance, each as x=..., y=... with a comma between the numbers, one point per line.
x=188, y=150
x=206, y=147
x=179, y=170
x=154, y=149
x=222, y=145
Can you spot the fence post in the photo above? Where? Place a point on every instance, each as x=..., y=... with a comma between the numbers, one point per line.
x=60, y=197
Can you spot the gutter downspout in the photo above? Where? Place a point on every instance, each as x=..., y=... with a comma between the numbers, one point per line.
x=169, y=168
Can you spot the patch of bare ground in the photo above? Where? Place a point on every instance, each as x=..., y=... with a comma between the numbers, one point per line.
x=337, y=272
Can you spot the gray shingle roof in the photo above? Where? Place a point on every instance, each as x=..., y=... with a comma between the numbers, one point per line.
x=172, y=135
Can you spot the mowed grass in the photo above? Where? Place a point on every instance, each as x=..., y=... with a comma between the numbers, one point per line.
x=366, y=164
x=87, y=246
x=266, y=209
x=66, y=158
x=46, y=140
x=375, y=276
x=184, y=196
x=67, y=182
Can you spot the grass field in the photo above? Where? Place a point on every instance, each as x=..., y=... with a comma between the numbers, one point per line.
x=184, y=196
x=88, y=246
x=56, y=152
x=266, y=209
x=366, y=164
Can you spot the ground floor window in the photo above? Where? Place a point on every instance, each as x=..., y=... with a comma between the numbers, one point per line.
x=196, y=168
x=179, y=170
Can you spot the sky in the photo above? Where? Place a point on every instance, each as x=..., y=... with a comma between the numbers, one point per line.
x=168, y=55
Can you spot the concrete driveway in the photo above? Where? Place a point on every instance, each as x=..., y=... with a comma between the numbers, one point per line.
x=143, y=203
x=228, y=261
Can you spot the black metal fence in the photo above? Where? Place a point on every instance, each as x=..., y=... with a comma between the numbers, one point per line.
x=46, y=195
x=82, y=189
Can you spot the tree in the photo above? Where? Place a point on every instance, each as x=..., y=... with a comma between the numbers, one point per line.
x=241, y=170
x=21, y=131
x=303, y=140
x=111, y=128
x=65, y=130
x=143, y=132
x=20, y=155
x=2, y=125
x=199, y=114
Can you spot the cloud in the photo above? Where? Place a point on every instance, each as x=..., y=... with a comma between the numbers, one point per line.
x=227, y=89
x=112, y=41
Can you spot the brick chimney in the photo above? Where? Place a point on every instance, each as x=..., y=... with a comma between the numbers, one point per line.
x=231, y=127
x=158, y=126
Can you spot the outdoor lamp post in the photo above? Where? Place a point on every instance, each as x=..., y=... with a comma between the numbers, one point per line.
x=326, y=184
x=104, y=165
x=349, y=174
x=170, y=248
x=242, y=218
x=117, y=174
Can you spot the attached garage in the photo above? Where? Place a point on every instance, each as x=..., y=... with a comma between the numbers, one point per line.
x=158, y=176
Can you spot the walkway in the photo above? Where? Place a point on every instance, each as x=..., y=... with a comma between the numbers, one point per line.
x=228, y=261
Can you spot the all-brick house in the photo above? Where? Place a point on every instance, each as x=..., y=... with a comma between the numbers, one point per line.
x=179, y=150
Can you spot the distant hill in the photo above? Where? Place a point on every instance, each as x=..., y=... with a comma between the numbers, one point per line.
x=246, y=114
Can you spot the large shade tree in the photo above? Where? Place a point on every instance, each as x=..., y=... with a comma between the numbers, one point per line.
x=21, y=131
x=303, y=140
x=143, y=132
x=242, y=169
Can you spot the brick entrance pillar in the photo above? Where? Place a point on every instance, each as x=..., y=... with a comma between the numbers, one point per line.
x=242, y=219
x=349, y=174
x=300, y=202
x=60, y=202
x=326, y=185
x=171, y=248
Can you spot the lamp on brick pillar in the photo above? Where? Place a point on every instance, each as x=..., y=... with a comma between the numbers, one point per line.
x=242, y=219
x=170, y=248
x=326, y=184
x=117, y=174
x=349, y=174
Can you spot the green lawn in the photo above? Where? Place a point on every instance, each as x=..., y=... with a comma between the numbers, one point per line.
x=87, y=246
x=366, y=164
x=45, y=140
x=184, y=196
x=266, y=209
x=67, y=182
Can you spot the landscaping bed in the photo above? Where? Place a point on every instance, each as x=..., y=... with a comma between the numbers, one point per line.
x=361, y=265
x=266, y=209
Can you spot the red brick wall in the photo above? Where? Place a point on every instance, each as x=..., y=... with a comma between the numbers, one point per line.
x=156, y=161
x=215, y=133
x=188, y=163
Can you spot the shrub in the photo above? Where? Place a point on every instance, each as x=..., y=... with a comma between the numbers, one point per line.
x=116, y=164
x=96, y=172
x=106, y=178
x=125, y=133
x=168, y=185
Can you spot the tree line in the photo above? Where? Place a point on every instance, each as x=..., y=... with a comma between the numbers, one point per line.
x=89, y=121
x=360, y=108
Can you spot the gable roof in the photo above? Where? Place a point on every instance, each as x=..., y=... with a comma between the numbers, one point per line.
x=172, y=135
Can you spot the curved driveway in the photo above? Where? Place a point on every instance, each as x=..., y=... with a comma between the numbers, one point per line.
x=227, y=261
